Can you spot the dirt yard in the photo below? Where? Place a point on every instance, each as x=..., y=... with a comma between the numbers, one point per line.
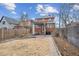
x=39, y=46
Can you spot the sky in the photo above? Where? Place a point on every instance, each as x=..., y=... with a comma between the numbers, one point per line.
x=34, y=10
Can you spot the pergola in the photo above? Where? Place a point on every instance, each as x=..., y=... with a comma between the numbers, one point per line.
x=43, y=26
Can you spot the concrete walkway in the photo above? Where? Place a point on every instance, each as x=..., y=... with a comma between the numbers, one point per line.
x=53, y=48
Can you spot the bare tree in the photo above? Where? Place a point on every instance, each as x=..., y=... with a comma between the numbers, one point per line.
x=24, y=16
x=64, y=17
x=75, y=13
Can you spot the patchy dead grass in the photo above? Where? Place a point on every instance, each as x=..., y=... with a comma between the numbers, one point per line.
x=24, y=47
x=66, y=48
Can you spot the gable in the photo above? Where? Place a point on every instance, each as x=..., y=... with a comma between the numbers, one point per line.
x=1, y=18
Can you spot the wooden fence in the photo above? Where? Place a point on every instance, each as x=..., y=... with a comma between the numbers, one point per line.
x=13, y=33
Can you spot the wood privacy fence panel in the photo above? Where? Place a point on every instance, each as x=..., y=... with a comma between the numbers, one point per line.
x=8, y=33
x=0, y=34
x=20, y=32
x=12, y=33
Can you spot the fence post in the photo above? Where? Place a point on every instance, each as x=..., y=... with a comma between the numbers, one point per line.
x=2, y=33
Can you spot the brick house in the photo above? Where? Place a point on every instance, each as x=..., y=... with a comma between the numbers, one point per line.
x=25, y=25
x=43, y=25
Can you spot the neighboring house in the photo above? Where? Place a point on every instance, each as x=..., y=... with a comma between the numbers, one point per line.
x=8, y=23
x=25, y=24
x=44, y=25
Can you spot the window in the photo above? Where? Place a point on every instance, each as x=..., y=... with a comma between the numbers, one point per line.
x=49, y=26
x=3, y=22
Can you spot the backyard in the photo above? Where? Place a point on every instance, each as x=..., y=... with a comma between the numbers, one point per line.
x=40, y=45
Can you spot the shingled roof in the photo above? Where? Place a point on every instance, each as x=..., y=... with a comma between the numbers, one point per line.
x=9, y=20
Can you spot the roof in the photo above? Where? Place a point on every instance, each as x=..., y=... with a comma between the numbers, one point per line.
x=1, y=18
x=44, y=18
x=10, y=20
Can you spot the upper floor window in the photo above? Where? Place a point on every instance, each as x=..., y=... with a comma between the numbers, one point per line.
x=3, y=22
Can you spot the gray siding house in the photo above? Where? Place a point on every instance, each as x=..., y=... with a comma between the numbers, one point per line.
x=8, y=23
